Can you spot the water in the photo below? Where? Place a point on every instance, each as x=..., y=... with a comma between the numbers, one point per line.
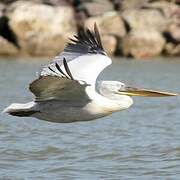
x=140, y=143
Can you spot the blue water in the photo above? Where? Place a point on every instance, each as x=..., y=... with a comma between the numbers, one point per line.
x=142, y=142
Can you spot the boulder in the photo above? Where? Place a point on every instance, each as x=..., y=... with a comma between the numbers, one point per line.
x=56, y=2
x=145, y=19
x=44, y=44
x=143, y=44
x=110, y=24
x=173, y=32
x=109, y=43
x=50, y=2
x=167, y=8
x=41, y=29
x=129, y=4
x=2, y=9
x=7, y=48
x=173, y=27
x=7, y=1
x=97, y=7
x=172, y=49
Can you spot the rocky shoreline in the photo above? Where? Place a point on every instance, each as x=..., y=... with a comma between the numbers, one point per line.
x=137, y=28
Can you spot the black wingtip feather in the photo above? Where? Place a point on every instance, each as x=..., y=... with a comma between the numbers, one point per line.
x=52, y=70
x=97, y=34
x=60, y=70
x=67, y=69
x=87, y=41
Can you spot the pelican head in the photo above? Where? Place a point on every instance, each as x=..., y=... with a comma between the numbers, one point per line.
x=115, y=87
x=111, y=89
x=122, y=93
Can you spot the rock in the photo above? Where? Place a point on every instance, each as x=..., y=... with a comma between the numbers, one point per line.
x=97, y=7
x=173, y=27
x=111, y=24
x=109, y=43
x=5, y=30
x=2, y=9
x=167, y=8
x=129, y=4
x=80, y=18
x=143, y=44
x=172, y=50
x=7, y=45
x=172, y=34
x=174, y=30
x=2, y=6
x=57, y=2
x=7, y=1
x=44, y=44
x=7, y=49
x=41, y=26
x=145, y=19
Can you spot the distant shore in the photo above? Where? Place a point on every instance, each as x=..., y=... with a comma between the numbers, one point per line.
x=131, y=28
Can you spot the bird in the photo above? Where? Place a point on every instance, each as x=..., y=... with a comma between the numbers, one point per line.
x=66, y=91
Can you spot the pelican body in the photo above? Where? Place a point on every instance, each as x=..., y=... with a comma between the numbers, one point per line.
x=65, y=90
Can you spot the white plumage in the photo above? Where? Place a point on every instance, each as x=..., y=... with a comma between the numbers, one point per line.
x=65, y=90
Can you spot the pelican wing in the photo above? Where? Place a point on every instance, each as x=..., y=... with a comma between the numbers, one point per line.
x=59, y=87
x=85, y=57
x=77, y=67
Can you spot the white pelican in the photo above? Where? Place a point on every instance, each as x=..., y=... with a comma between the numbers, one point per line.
x=65, y=89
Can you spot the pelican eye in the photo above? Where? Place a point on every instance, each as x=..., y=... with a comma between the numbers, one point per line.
x=122, y=86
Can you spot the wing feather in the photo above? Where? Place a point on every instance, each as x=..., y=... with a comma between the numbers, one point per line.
x=54, y=88
x=67, y=69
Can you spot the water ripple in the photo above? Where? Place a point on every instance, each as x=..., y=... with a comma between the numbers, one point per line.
x=140, y=143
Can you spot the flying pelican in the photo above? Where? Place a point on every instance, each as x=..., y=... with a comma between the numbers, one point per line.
x=65, y=89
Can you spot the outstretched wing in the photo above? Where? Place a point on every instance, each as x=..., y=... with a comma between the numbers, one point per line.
x=85, y=57
x=77, y=67
x=59, y=87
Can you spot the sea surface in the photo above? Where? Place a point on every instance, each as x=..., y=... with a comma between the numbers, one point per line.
x=142, y=142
